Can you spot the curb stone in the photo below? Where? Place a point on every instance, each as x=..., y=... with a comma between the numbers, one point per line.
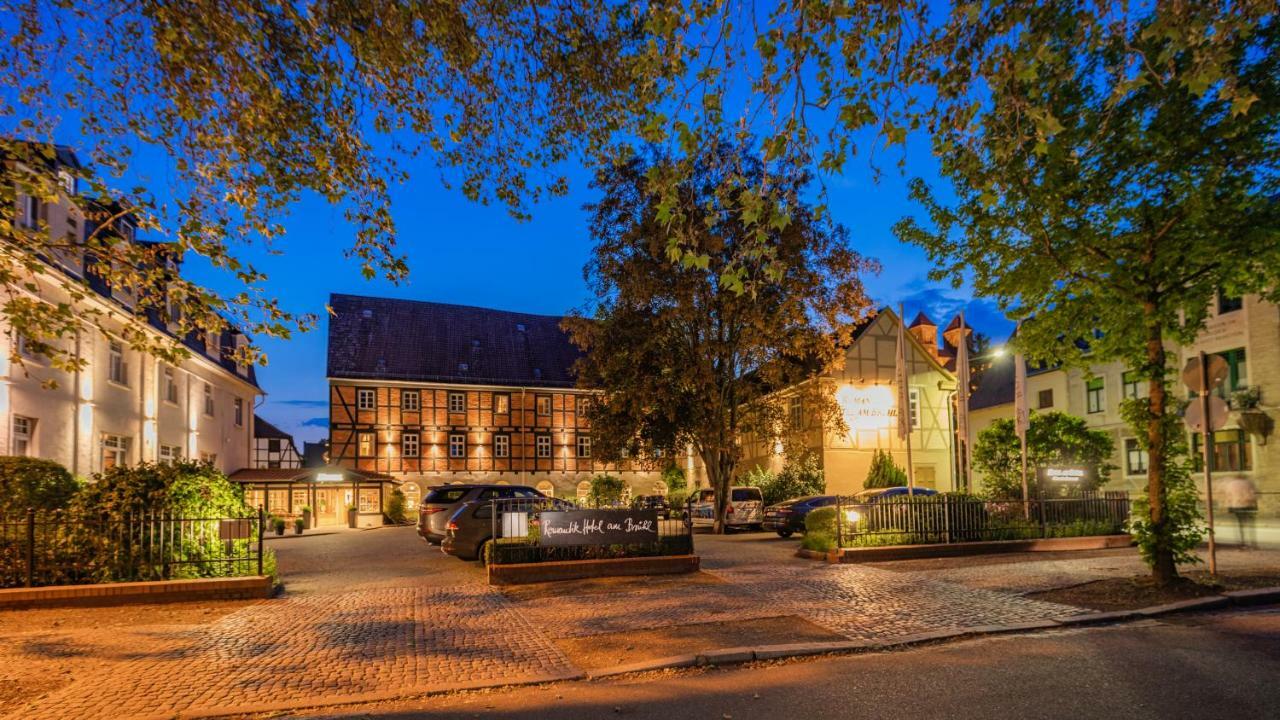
x=1098, y=617
x=1204, y=603
x=674, y=661
x=1257, y=596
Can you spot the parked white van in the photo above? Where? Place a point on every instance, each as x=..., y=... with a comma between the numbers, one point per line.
x=746, y=507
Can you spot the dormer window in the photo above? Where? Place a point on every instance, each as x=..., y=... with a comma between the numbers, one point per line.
x=210, y=344
x=67, y=182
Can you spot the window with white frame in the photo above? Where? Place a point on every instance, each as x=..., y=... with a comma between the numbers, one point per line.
x=1093, y=395
x=542, y=446
x=457, y=402
x=208, y=457
x=502, y=445
x=457, y=445
x=170, y=386
x=117, y=366
x=913, y=399
x=238, y=403
x=115, y=451
x=1135, y=458
x=1131, y=386
x=170, y=453
x=365, y=399
x=23, y=436
x=584, y=406
x=410, y=400
x=542, y=405
x=364, y=444
x=795, y=412
x=584, y=446
x=26, y=348
x=208, y=400
x=501, y=403
x=409, y=445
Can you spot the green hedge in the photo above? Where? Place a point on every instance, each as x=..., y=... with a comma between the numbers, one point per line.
x=27, y=482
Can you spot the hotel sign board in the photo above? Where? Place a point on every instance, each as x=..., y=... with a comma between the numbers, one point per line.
x=598, y=527
x=1073, y=474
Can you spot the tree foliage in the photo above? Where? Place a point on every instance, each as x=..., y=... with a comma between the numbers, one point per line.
x=1117, y=176
x=606, y=490
x=396, y=506
x=798, y=478
x=884, y=472
x=248, y=107
x=27, y=482
x=683, y=357
x=1053, y=438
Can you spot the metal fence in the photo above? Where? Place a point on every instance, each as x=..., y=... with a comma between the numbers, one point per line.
x=911, y=520
x=58, y=548
x=515, y=528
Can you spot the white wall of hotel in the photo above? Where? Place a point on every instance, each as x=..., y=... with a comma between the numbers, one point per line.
x=1248, y=334
x=76, y=422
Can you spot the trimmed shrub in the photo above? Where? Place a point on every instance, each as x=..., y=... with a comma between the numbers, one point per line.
x=884, y=472
x=183, y=489
x=27, y=482
x=606, y=491
x=819, y=542
x=396, y=506
x=821, y=521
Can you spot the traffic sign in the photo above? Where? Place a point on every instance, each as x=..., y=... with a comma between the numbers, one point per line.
x=1216, y=369
x=1194, y=416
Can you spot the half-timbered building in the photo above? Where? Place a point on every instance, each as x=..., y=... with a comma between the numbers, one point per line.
x=432, y=394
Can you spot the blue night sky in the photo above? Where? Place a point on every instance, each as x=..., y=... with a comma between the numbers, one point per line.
x=467, y=253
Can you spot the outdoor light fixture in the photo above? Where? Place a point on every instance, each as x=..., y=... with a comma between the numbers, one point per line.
x=852, y=516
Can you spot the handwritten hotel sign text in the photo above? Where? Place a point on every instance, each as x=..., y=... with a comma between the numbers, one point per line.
x=599, y=527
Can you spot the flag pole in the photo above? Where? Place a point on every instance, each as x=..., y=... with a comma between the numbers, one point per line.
x=962, y=398
x=1022, y=419
x=904, y=399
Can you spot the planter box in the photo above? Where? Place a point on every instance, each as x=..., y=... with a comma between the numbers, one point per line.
x=578, y=569
x=913, y=552
x=132, y=593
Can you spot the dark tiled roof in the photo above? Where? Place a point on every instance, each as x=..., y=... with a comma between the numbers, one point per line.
x=419, y=341
x=995, y=384
x=922, y=320
x=264, y=429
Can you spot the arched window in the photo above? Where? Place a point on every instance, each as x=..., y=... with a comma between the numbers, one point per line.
x=584, y=489
x=546, y=488
x=660, y=488
x=502, y=482
x=412, y=494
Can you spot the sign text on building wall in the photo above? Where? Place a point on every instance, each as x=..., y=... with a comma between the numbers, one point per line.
x=869, y=407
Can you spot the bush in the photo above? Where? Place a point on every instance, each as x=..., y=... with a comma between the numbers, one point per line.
x=278, y=524
x=606, y=491
x=818, y=542
x=396, y=506
x=798, y=478
x=676, y=498
x=884, y=472
x=183, y=489
x=34, y=483
x=674, y=477
x=821, y=521
x=299, y=526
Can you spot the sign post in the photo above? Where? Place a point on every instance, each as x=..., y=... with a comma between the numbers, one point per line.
x=1202, y=375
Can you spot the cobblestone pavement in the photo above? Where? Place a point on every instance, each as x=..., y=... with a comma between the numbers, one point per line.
x=319, y=647
x=360, y=633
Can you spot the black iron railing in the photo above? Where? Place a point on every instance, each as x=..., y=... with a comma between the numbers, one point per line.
x=910, y=520
x=515, y=529
x=58, y=548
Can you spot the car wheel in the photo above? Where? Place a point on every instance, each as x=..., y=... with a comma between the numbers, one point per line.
x=784, y=533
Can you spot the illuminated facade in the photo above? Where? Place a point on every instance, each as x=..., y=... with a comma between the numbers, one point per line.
x=865, y=391
x=432, y=394
x=273, y=447
x=1245, y=331
x=125, y=406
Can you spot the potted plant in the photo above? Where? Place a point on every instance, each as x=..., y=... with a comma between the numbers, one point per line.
x=278, y=524
x=353, y=516
x=1253, y=419
x=306, y=516
x=299, y=525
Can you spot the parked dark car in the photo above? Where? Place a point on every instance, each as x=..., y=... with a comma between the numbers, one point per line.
x=442, y=501
x=657, y=503
x=787, y=517
x=471, y=526
x=869, y=497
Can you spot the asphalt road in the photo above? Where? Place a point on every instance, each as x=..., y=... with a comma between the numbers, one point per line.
x=1223, y=665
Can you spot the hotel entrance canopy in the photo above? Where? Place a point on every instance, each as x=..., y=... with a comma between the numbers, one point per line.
x=335, y=496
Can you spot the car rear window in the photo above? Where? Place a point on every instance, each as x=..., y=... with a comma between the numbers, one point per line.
x=445, y=495
x=746, y=493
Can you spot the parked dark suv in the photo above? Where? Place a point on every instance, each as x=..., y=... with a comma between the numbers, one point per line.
x=443, y=501
x=787, y=517
x=657, y=503
x=472, y=524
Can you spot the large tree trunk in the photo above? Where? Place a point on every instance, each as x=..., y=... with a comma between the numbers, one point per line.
x=1163, y=569
x=719, y=472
